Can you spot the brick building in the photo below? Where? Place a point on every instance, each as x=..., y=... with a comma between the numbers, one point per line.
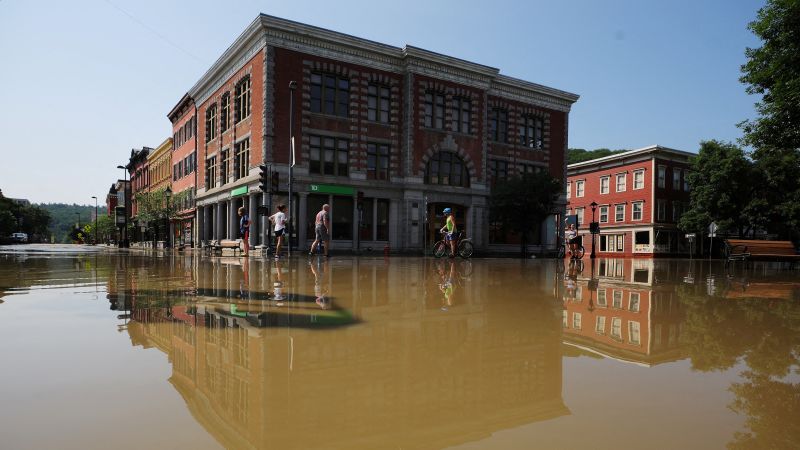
x=413, y=130
x=640, y=196
x=184, y=168
x=159, y=164
x=138, y=169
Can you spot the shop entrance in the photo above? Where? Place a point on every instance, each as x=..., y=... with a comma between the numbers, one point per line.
x=436, y=219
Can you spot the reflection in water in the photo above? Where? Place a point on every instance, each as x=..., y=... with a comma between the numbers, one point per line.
x=413, y=353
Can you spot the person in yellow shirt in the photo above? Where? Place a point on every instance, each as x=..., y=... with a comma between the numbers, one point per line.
x=450, y=231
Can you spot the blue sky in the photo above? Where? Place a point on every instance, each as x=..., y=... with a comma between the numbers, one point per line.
x=84, y=82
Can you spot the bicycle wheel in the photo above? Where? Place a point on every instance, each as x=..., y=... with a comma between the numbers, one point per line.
x=439, y=249
x=579, y=252
x=465, y=249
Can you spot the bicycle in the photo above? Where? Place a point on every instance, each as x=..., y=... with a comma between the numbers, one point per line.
x=464, y=247
x=579, y=252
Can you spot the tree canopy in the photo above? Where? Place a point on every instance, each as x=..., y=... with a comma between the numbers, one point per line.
x=576, y=155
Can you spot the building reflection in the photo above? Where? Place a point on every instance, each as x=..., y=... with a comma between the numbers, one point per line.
x=402, y=371
x=616, y=308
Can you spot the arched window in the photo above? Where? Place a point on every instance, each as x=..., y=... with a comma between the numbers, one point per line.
x=448, y=169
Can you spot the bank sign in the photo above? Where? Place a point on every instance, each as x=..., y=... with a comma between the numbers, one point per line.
x=331, y=189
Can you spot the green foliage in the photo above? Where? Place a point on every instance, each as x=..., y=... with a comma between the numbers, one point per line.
x=721, y=188
x=522, y=202
x=153, y=208
x=30, y=219
x=65, y=217
x=106, y=230
x=576, y=155
x=773, y=72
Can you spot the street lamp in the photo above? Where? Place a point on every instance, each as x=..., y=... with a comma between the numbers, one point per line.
x=593, y=227
x=292, y=87
x=125, y=204
x=95, y=219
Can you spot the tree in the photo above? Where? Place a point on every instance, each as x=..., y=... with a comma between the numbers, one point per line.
x=8, y=223
x=522, y=202
x=155, y=207
x=773, y=72
x=721, y=190
x=576, y=155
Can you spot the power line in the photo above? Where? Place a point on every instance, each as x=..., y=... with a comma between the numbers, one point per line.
x=152, y=30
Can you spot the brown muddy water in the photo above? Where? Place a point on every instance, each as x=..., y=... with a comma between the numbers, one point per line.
x=106, y=350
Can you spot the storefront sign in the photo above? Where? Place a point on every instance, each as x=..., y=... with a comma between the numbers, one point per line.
x=331, y=189
x=241, y=190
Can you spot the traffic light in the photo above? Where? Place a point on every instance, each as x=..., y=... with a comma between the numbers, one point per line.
x=275, y=182
x=263, y=178
x=360, y=199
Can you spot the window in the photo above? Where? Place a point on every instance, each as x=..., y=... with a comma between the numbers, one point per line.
x=564, y=318
x=498, y=171
x=633, y=302
x=634, y=333
x=662, y=175
x=434, y=110
x=461, y=114
x=569, y=189
x=211, y=172
x=600, y=325
x=604, y=214
x=531, y=131
x=619, y=213
x=661, y=210
x=242, y=159
x=377, y=161
x=616, y=301
x=612, y=243
x=616, y=328
x=686, y=181
x=223, y=168
x=605, y=183
x=636, y=213
x=621, y=178
x=579, y=188
x=242, y=99
x=576, y=320
x=225, y=111
x=378, y=101
x=676, y=179
x=447, y=168
x=211, y=123
x=579, y=213
x=638, y=179
x=676, y=211
x=329, y=156
x=602, y=302
x=498, y=125
x=330, y=94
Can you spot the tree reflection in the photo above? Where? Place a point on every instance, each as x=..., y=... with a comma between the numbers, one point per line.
x=762, y=333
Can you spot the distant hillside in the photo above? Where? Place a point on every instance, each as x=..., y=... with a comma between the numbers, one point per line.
x=576, y=155
x=64, y=217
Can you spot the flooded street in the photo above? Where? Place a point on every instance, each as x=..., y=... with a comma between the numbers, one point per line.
x=110, y=350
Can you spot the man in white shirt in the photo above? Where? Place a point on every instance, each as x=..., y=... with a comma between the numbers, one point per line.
x=279, y=219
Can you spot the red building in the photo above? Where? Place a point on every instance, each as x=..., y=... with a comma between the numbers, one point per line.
x=184, y=168
x=412, y=130
x=138, y=168
x=640, y=195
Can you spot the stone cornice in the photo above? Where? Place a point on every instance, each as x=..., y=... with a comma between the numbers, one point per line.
x=162, y=149
x=281, y=33
x=178, y=110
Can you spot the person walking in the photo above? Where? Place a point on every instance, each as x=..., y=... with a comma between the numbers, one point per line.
x=244, y=230
x=571, y=236
x=279, y=219
x=322, y=230
x=449, y=230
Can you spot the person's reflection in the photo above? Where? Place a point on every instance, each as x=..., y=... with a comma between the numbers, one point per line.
x=277, y=285
x=446, y=277
x=571, y=279
x=318, y=268
x=244, y=283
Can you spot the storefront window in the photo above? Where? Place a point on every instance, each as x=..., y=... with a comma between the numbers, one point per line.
x=382, y=229
x=342, y=218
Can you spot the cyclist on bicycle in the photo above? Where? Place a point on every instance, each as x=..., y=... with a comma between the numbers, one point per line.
x=571, y=236
x=449, y=230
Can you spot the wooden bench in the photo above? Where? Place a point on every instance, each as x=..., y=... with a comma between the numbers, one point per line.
x=745, y=250
x=216, y=247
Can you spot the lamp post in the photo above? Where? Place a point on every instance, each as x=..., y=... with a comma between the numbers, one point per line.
x=593, y=227
x=125, y=204
x=95, y=219
x=292, y=86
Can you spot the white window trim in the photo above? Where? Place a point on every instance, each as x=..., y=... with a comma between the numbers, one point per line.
x=661, y=210
x=633, y=211
x=608, y=211
x=634, y=179
x=608, y=190
x=569, y=189
x=624, y=182
x=623, y=212
x=658, y=176
x=577, y=191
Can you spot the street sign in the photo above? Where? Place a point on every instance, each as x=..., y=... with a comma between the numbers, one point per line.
x=331, y=189
x=712, y=230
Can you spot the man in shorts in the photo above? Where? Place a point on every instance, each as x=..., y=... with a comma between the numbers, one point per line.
x=244, y=230
x=279, y=219
x=322, y=228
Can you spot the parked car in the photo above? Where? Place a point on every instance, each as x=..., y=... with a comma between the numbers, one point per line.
x=19, y=237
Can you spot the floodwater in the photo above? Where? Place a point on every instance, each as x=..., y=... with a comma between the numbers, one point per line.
x=132, y=350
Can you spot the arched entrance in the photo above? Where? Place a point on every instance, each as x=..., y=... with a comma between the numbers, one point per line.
x=436, y=219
